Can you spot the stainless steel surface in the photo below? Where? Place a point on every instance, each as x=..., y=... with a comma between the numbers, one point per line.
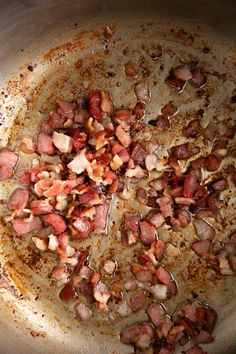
x=38, y=321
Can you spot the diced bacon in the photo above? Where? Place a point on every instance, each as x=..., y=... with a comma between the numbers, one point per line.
x=150, y=162
x=130, y=70
x=184, y=218
x=204, y=230
x=189, y=311
x=165, y=206
x=116, y=162
x=133, y=334
x=122, y=114
x=195, y=350
x=65, y=109
x=110, y=267
x=161, y=123
x=148, y=232
x=80, y=163
x=156, y=312
x=123, y=136
x=27, y=146
x=100, y=139
x=158, y=184
x=158, y=248
x=63, y=142
x=116, y=148
x=63, y=240
x=8, y=162
x=90, y=197
x=49, y=188
x=137, y=301
x=68, y=292
x=81, y=115
x=169, y=110
x=138, y=154
x=155, y=218
x=139, y=110
x=18, y=200
x=198, y=163
x=45, y=144
x=212, y=162
x=136, y=172
x=175, y=82
x=100, y=220
x=142, y=92
x=53, y=243
x=204, y=337
x=83, y=312
x=79, y=139
x=213, y=201
x=56, y=222
x=46, y=128
x=95, y=101
x=171, y=250
x=40, y=243
x=23, y=226
x=131, y=221
x=190, y=185
x=106, y=103
x=84, y=227
x=220, y=185
x=198, y=78
x=193, y=129
x=163, y=276
x=184, y=151
x=129, y=237
x=141, y=195
x=185, y=201
x=38, y=207
x=124, y=155
x=183, y=72
x=101, y=294
x=201, y=247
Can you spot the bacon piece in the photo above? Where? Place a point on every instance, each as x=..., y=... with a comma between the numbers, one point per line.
x=204, y=230
x=46, y=128
x=159, y=248
x=80, y=163
x=44, y=144
x=90, y=197
x=81, y=115
x=175, y=334
x=137, y=301
x=82, y=256
x=158, y=184
x=198, y=78
x=100, y=220
x=175, y=82
x=201, y=247
x=150, y=162
x=184, y=218
x=130, y=70
x=184, y=201
x=131, y=221
x=212, y=162
x=155, y=218
x=110, y=267
x=138, y=154
x=159, y=291
x=213, y=201
x=63, y=142
x=183, y=72
x=163, y=275
x=106, y=103
x=139, y=110
x=79, y=139
x=23, y=226
x=86, y=289
x=165, y=206
x=122, y=114
x=27, y=146
x=190, y=185
x=18, y=199
x=198, y=163
x=65, y=109
x=157, y=313
x=41, y=207
x=56, y=222
x=192, y=130
x=123, y=136
x=8, y=162
x=160, y=123
x=210, y=131
x=220, y=185
x=68, y=292
x=204, y=337
x=195, y=350
x=141, y=195
x=95, y=101
x=142, y=92
x=83, y=226
x=169, y=110
x=101, y=294
x=139, y=334
x=83, y=312
x=148, y=232
x=184, y=151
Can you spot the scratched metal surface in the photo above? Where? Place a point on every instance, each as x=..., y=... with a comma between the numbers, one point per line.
x=81, y=61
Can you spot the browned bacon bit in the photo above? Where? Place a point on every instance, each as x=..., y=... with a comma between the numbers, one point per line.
x=184, y=151
x=139, y=110
x=8, y=162
x=156, y=218
x=210, y=131
x=163, y=275
x=190, y=184
x=95, y=101
x=138, y=154
x=83, y=312
x=100, y=220
x=147, y=232
x=45, y=144
x=220, y=147
x=175, y=82
x=161, y=123
x=165, y=206
x=142, y=92
x=68, y=292
x=130, y=226
x=158, y=184
x=130, y=70
x=56, y=222
x=108, y=32
x=18, y=200
x=169, y=110
x=193, y=129
x=183, y=72
x=141, y=195
x=158, y=248
x=139, y=334
x=212, y=162
x=201, y=247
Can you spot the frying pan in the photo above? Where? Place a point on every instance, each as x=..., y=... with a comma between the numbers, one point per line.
x=56, y=49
